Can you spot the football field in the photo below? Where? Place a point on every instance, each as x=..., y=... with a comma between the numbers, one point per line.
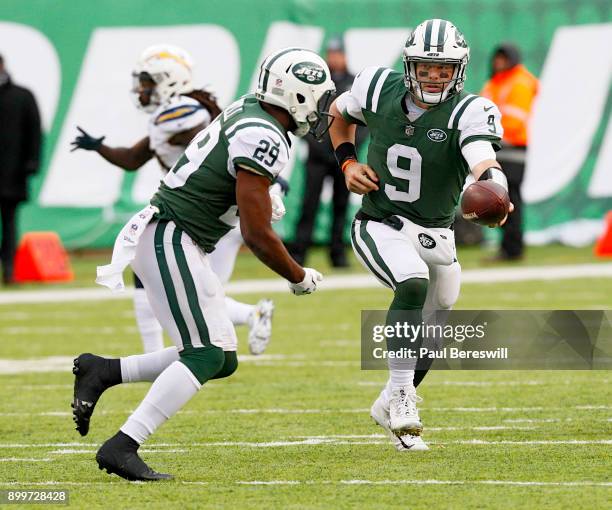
x=291, y=429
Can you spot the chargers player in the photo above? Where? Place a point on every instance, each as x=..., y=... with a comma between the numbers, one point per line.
x=163, y=87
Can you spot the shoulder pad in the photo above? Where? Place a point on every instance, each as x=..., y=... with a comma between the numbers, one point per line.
x=367, y=86
x=177, y=110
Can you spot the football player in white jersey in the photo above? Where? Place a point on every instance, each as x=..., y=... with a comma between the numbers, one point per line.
x=221, y=181
x=163, y=88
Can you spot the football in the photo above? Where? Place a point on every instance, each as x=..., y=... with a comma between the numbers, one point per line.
x=485, y=203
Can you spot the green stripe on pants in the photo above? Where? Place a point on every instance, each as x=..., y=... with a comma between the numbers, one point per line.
x=190, y=289
x=166, y=277
x=363, y=256
x=367, y=239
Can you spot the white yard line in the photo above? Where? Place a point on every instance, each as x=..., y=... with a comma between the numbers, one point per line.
x=543, y=442
x=374, y=439
x=356, y=410
x=116, y=482
x=64, y=363
x=35, y=365
x=537, y=420
x=18, y=459
x=350, y=281
x=466, y=383
x=270, y=482
x=428, y=429
x=475, y=482
x=37, y=387
x=71, y=451
x=65, y=330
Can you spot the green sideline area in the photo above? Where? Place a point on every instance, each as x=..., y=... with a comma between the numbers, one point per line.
x=291, y=428
x=247, y=266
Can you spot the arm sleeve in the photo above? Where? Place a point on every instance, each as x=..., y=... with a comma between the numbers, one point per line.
x=477, y=151
x=259, y=149
x=481, y=121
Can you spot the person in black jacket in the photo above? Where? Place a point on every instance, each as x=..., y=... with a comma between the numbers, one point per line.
x=20, y=142
x=321, y=163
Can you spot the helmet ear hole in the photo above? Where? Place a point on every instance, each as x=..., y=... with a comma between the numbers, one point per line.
x=301, y=99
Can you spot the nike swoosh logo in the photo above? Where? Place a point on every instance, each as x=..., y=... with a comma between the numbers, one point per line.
x=276, y=144
x=404, y=444
x=487, y=109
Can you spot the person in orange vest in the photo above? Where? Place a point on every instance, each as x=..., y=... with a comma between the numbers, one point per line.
x=513, y=88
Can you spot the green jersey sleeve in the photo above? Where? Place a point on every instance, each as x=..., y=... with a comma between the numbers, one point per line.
x=257, y=146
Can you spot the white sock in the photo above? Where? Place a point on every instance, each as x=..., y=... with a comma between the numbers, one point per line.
x=174, y=387
x=238, y=312
x=147, y=367
x=151, y=331
x=398, y=378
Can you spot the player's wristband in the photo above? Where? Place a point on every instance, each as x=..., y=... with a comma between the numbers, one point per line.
x=346, y=163
x=344, y=152
x=496, y=175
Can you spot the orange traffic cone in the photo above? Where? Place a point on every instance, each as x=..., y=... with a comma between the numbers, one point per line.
x=603, y=247
x=41, y=257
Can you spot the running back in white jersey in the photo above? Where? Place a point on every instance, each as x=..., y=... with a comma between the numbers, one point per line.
x=179, y=114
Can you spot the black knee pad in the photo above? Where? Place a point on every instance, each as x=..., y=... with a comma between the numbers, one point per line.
x=410, y=294
x=204, y=362
x=230, y=365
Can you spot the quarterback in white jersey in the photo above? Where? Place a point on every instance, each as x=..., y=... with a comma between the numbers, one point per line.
x=163, y=88
x=222, y=179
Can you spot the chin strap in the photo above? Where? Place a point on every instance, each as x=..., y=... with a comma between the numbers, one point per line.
x=496, y=175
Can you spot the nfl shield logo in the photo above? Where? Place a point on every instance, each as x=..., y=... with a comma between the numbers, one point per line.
x=409, y=130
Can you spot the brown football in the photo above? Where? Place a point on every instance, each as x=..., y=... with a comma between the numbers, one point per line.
x=485, y=203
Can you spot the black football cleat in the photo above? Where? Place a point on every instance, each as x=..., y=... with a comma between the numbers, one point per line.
x=119, y=456
x=93, y=375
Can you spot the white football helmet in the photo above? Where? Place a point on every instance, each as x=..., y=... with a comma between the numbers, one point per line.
x=435, y=41
x=169, y=67
x=298, y=81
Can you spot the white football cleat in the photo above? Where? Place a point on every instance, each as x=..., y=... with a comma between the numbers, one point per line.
x=260, y=326
x=380, y=414
x=403, y=413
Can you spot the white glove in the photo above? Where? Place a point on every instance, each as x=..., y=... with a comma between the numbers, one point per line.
x=308, y=285
x=278, y=208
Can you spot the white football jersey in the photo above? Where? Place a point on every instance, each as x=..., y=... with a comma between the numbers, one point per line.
x=179, y=114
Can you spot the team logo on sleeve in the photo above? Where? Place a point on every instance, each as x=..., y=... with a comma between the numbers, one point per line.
x=436, y=135
x=427, y=241
x=309, y=72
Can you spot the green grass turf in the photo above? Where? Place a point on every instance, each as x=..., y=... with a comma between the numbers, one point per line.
x=313, y=367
